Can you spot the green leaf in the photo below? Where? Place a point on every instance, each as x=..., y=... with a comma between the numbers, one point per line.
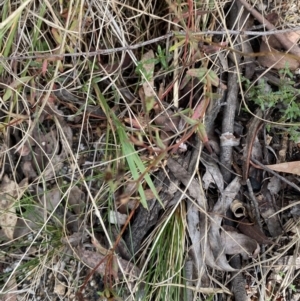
x=162, y=57
x=134, y=162
x=198, y=72
x=189, y=120
x=293, y=287
x=177, y=45
x=213, y=78
x=159, y=142
x=150, y=102
x=20, y=82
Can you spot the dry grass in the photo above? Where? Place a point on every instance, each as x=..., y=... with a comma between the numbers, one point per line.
x=75, y=123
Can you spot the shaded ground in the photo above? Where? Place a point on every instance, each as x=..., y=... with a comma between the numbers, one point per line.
x=150, y=151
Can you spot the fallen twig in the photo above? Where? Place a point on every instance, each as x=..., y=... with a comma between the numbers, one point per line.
x=228, y=125
x=272, y=31
x=261, y=166
x=254, y=202
x=254, y=127
x=286, y=43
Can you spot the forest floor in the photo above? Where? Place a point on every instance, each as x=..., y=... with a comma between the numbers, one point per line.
x=150, y=150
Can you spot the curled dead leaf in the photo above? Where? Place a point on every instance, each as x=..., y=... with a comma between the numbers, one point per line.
x=238, y=243
x=212, y=175
x=219, y=210
x=253, y=231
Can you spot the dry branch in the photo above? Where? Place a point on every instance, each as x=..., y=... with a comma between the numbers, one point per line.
x=285, y=42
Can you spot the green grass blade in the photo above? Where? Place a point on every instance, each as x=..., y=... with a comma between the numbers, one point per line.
x=134, y=162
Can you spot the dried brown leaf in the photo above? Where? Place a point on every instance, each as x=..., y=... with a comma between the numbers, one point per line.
x=59, y=288
x=51, y=198
x=148, y=64
x=92, y=259
x=268, y=211
x=8, y=218
x=219, y=211
x=115, y=217
x=167, y=122
x=12, y=288
x=287, y=167
x=214, y=255
x=293, y=36
x=276, y=59
x=212, y=175
x=149, y=193
x=10, y=193
x=31, y=221
x=77, y=200
x=238, y=243
x=253, y=231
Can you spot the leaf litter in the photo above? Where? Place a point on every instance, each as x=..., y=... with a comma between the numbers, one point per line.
x=101, y=157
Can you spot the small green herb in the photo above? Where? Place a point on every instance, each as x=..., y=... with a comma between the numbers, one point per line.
x=143, y=69
x=161, y=55
x=285, y=99
x=293, y=287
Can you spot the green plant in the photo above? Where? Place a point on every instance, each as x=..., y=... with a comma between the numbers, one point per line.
x=284, y=99
x=166, y=260
x=266, y=99
x=162, y=57
x=293, y=287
